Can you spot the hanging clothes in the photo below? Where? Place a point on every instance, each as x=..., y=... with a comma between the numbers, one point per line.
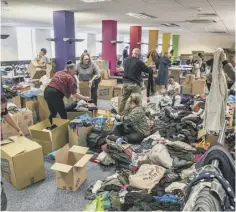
x=216, y=100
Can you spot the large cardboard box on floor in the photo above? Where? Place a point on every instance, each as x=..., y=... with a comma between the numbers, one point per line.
x=23, y=119
x=118, y=90
x=17, y=101
x=198, y=87
x=106, y=88
x=22, y=162
x=78, y=136
x=50, y=140
x=70, y=167
x=84, y=88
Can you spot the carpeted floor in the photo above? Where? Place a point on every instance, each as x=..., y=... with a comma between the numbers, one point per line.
x=44, y=196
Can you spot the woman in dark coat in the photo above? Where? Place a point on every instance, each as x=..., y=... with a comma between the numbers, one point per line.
x=163, y=65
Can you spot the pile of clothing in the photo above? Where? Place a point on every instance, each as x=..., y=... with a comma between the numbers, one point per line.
x=86, y=121
x=8, y=92
x=80, y=106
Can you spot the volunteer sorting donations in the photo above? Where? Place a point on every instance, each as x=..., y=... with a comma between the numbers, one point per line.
x=89, y=72
x=132, y=79
x=63, y=84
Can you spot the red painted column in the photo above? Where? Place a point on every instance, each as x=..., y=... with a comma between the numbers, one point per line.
x=135, y=37
x=109, y=33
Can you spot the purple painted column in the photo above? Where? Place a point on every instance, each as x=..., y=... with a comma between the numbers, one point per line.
x=109, y=33
x=64, y=27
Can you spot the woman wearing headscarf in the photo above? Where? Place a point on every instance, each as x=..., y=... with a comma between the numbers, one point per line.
x=88, y=71
x=134, y=123
x=63, y=84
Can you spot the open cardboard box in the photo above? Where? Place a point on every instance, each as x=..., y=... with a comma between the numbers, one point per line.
x=106, y=88
x=70, y=167
x=22, y=162
x=50, y=140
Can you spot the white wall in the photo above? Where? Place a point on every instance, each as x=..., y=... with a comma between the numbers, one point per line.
x=9, y=49
x=207, y=43
x=41, y=42
x=91, y=44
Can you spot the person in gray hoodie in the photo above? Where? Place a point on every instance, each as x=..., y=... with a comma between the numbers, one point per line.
x=87, y=70
x=163, y=66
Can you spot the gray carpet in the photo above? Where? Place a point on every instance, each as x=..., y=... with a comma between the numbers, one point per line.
x=44, y=196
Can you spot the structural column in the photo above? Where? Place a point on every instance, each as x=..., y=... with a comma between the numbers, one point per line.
x=64, y=27
x=175, y=44
x=152, y=42
x=91, y=44
x=109, y=34
x=165, y=42
x=135, y=37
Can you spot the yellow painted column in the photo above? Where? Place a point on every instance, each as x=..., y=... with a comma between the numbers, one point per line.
x=165, y=42
x=152, y=42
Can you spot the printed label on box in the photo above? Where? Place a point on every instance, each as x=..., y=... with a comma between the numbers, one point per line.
x=104, y=92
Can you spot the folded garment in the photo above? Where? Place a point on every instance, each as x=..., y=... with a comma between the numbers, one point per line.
x=176, y=186
x=166, y=198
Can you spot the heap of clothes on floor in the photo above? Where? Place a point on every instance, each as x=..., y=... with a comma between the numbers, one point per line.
x=80, y=106
x=161, y=173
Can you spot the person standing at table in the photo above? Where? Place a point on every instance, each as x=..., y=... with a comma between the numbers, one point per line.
x=88, y=71
x=63, y=84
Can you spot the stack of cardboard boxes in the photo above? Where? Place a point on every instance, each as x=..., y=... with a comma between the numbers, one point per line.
x=193, y=86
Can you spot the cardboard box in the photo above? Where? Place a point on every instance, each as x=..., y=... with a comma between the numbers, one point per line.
x=73, y=115
x=104, y=74
x=78, y=136
x=70, y=167
x=43, y=108
x=23, y=119
x=34, y=71
x=198, y=87
x=118, y=90
x=84, y=88
x=212, y=139
x=106, y=88
x=17, y=101
x=50, y=140
x=22, y=162
x=187, y=89
x=31, y=104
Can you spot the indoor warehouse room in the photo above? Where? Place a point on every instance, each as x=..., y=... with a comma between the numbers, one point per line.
x=118, y=105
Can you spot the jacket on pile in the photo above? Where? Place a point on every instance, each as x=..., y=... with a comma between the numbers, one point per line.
x=162, y=77
x=137, y=120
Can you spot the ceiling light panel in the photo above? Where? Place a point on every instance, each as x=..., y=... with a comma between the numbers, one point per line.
x=94, y=1
x=141, y=15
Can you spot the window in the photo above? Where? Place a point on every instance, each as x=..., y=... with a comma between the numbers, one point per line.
x=98, y=44
x=25, y=43
x=53, y=45
x=80, y=46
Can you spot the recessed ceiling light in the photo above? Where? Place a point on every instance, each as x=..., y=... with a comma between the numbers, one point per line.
x=93, y=1
x=141, y=15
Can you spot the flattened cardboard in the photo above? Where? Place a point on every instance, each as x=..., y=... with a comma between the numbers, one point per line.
x=50, y=140
x=22, y=162
x=78, y=135
x=17, y=101
x=106, y=88
x=70, y=167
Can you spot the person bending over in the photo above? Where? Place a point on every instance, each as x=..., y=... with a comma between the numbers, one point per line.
x=88, y=71
x=7, y=117
x=62, y=84
x=134, y=125
x=132, y=79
